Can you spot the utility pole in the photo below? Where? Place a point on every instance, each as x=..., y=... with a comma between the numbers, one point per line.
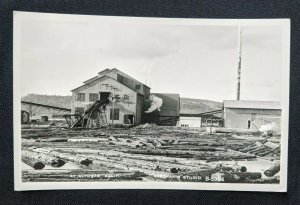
x=239, y=64
x=113, y=106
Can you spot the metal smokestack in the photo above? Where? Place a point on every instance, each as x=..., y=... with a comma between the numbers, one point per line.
x=239, y=64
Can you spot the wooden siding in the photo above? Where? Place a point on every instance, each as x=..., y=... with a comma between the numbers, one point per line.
x=238, y=118
x=125, y=106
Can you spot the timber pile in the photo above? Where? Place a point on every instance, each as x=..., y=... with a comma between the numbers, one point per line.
x=141, y=153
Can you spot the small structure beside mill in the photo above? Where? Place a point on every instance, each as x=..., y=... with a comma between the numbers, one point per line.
x=247, y=114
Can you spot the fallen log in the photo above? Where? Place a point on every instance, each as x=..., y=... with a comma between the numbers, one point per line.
x=53, y=140
x=44, y=158
x=173, y=153
x=225, y=156
x=33, y=162
x=274, y=169
x=88, y=140
x=197, y=148
x=66, y=156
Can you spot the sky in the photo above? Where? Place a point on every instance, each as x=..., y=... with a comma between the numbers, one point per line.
x=196, y=61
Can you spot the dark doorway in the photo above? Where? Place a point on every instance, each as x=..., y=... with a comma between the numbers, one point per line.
x=128, y=119
x=249, y=124
x=104, y=95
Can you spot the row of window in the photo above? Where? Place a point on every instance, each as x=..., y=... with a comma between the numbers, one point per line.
x=94, y=96
x=126, y=81
x=184, y=125
x=114, y=113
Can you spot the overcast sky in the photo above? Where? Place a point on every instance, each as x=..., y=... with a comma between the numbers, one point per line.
x=196, y=61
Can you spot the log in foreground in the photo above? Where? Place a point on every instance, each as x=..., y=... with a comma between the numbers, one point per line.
x=273, y=170
x=34, y=163
x=65, y=156
x=44, y=158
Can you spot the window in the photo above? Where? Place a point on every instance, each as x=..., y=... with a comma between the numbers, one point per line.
x=115, y=115
x=120, y=78
x=79, y=110
x=80, y=97
x=184, y=125
x=93, y=97
x=249, y=124
x=137, y=87
x=126, y=97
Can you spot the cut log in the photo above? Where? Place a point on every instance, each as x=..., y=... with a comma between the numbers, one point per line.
x=65, y=156
x=172, y=153
x=273, y=170
x=53, y=140
x=44, y=158
x=88, y=140
x=32, y=161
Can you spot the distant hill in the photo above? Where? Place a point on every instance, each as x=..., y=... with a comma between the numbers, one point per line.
x=54, y=100
x=195, y=106
x=187, y=105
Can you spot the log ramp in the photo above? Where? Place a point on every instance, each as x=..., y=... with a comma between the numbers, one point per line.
x=151, y=153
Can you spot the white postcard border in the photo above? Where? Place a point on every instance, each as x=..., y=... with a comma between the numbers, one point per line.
x=21, y=186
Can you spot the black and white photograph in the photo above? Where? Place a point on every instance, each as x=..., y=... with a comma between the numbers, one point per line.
x=108, y=102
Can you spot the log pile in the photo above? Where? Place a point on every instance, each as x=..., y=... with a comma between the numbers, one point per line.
x=142, y=153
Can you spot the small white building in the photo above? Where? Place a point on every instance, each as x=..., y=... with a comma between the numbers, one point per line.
x=246, y=114
x=189, y=121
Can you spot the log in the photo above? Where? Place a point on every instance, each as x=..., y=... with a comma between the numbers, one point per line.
x=87, y=140
x=66, y=156
x=53, y=140
x=274, y=169
x=197, y=148
x=44, y=158
x=225, y=156
x=173, y=153
x=32, y=161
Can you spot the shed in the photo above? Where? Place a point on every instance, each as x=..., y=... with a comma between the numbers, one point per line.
x=246, y=114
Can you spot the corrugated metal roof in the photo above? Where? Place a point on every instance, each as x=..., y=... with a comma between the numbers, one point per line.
x=273, y=105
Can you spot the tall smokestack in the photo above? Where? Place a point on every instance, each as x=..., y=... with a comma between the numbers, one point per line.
x=239, y=64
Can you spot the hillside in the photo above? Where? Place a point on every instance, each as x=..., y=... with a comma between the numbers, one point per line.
x=54, y=100
x=194, y=106
x=188, y=105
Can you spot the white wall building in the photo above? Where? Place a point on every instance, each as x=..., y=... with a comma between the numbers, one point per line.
x=190, y=122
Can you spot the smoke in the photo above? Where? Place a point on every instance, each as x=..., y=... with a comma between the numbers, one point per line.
x=271, y=128
x=156, y=103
